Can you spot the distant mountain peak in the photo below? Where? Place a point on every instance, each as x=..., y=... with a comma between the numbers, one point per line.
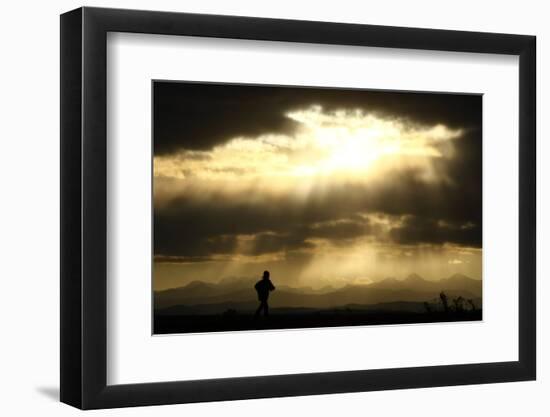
x=197, y=283
x=231, y=292
x=414, y=277
x=458, y=276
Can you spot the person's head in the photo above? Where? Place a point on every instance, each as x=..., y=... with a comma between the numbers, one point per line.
x=266, y=275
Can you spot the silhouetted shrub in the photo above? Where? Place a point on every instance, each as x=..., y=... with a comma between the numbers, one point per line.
x=459, y=303
x=444, y=301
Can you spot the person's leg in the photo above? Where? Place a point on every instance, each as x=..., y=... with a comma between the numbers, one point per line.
x=259, y=309
x=266, y=309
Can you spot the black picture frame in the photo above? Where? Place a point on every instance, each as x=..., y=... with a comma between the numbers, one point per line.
x=84, y=207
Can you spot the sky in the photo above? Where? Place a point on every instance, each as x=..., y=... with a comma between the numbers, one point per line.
x=320, y=186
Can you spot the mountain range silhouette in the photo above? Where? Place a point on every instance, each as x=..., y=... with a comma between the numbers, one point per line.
x=237, y=293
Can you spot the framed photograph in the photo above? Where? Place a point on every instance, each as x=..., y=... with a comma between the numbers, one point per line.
x=257, y=207
x=330, y=192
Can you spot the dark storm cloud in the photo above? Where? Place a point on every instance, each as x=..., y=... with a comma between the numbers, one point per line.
x=293, y=237
x=272, y=243
x=340, y=230
x=415, y=230
x=191, y=227
x=199, y=116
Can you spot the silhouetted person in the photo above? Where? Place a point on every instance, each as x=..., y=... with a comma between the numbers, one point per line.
x=263, y=288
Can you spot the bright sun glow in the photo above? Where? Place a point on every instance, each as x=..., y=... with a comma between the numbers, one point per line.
x=349, y=145
x=352, y=141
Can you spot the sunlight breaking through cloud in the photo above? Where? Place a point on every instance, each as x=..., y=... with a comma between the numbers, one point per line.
x=326, y=147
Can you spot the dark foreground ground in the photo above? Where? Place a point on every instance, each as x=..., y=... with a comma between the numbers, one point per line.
x=166, y=324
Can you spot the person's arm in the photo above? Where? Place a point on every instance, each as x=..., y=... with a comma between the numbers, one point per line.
x=271, y=286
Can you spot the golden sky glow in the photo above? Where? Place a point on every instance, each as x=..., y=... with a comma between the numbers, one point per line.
x=328, y=147
x=344, y=195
